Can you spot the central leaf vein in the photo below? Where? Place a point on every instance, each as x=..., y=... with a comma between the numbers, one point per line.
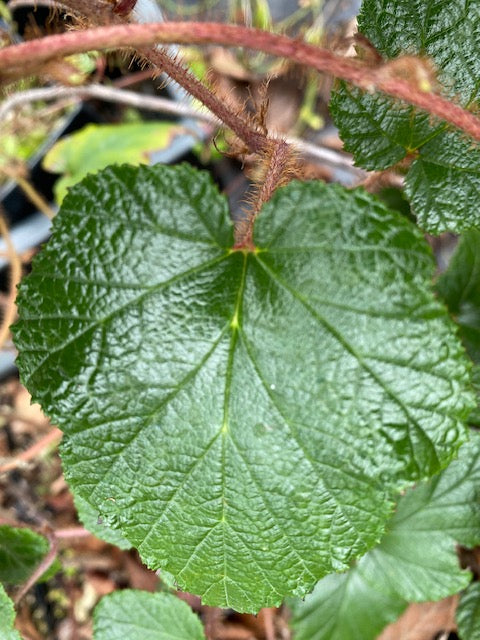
x=225, y=428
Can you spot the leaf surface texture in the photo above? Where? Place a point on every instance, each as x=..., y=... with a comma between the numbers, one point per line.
x=468, y=613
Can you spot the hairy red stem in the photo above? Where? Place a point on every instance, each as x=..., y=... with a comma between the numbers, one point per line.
x=20, y=58
x=256, y=142
x=278, y=170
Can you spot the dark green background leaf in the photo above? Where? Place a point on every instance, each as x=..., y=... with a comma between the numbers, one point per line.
x=21, y=551
x=244, y=418
x=443, y=183
x=459, y=287
x=415, y=561
x=444, y=179
x=376, y=130
x=445, y=31
x=137, y=615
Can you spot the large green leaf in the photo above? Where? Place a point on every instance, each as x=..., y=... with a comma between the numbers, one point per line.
x=443, y=180
x=415, y=561
x=137, y=615
x=243, y=417
x=468, y=613
x=7, y=617
x=21, y=551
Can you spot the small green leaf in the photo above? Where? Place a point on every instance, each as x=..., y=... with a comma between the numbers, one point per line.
x=468, y=613
x=377, y=131
x=417, y=557
x=21, y=551
x=137, y=615
x=244, y=418
x=415, y=561
x=96, y=146
x=443, y=181
x=7, y=617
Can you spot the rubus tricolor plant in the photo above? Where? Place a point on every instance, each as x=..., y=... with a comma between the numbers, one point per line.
x=246, y=405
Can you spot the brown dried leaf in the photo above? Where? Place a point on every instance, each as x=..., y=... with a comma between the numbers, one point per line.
x=423, y=621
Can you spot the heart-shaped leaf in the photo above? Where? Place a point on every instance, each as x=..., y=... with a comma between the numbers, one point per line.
x=244, y=417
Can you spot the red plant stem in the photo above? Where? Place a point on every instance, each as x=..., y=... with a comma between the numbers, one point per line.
x=50, y=438
x=72, y=532
x=44, y=565
x=255, y=141
x=20, y=58
x=278, y=167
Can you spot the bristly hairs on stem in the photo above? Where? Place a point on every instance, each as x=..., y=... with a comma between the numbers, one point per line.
x=274, y=168
x=175, y=69
x=277, y=166
x=276, y=161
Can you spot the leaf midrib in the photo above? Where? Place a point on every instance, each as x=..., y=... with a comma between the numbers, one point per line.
x=224, y=428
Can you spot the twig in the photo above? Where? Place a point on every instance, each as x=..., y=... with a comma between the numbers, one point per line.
x=243, y=127
x=268, y=623
x=30, y=453
x=44, y=565
x=20, y=59
x=29, y=190
x=52, y=4
x=163, y=105
x=107, y=94
x=72, y=532
x=15, y=275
